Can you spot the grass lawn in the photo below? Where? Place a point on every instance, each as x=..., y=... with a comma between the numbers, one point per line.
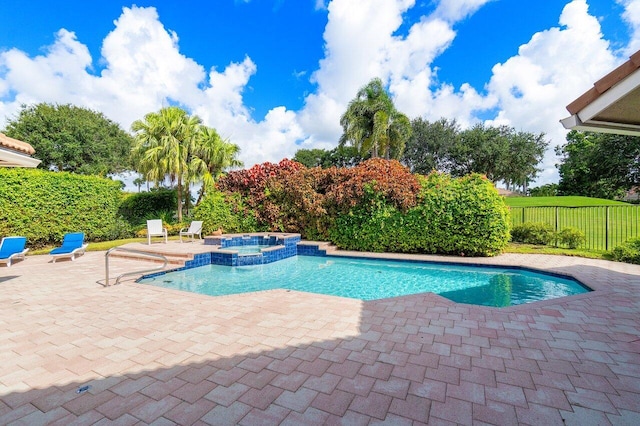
x=101, y=246
x=533, y=249
x=570, y=201
x=605, y=223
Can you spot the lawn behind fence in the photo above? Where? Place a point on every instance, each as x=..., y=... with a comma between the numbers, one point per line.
x=605, y=223
x=570, y=201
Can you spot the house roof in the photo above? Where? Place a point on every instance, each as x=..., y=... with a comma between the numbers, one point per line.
x=15, y=153
x=15, y=144
x=612, y=105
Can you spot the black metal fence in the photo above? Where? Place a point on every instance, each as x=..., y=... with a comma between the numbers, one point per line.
x=605, y=227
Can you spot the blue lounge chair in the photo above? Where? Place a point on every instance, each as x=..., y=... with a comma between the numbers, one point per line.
x=12, y=248
x=72, y=245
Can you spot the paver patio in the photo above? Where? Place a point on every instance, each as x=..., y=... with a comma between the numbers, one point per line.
x=157, y=356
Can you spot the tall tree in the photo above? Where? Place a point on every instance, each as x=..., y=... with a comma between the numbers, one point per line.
x=598, y=164
x=343, y=156
x=212, y=155
x=481, y=149
x=164, y=142
x=73, y=139
x=340, y=156
x=372, y=124
x=526, y=150
x=310, y=157
x=501, y=153
x=429, y=146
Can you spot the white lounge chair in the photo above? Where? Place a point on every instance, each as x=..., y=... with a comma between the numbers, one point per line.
x=12, y=248
x=72, y=246
x=155, y=229
x=194, y=229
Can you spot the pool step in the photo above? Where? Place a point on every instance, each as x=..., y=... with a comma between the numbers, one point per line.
x=322, y=245
x=174, y=259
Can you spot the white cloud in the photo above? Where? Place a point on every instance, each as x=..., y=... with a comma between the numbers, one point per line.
x=551, y=70
x=321, y=5
x=631, y=16
x=456, y=10
x=57, y=76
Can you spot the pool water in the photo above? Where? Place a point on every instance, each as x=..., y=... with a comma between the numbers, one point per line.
x=370, y=279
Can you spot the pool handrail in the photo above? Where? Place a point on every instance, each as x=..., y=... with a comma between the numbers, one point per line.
x=126, y=274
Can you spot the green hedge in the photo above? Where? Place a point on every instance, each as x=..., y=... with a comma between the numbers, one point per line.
x=43, y=206
x=218, y=210
x=463, y=216
x=138, y=207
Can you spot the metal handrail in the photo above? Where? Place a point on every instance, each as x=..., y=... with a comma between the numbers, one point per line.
x=146, y=253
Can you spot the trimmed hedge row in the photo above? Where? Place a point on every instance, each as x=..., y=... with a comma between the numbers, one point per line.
x=43, y=206
x=464, y=217
x=136, y=208
x=218, y=210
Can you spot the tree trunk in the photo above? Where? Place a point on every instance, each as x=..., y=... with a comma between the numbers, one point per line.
x=200, y=194
x=187, y=198
x=179, y=199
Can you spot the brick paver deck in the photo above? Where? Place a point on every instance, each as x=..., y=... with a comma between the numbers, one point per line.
x=156, y=356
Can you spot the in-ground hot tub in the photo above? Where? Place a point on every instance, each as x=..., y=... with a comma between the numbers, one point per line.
x=252, y=249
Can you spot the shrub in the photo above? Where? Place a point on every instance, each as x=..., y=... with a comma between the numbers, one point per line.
x=291, y=198
x=347, y=188
x=251, y=184
x=226, y=211
x=43, y=206
x=628, y=252
x=463, y=216
x=137, y=207
x=296, y=204
x=533, y=233
x=571, y=237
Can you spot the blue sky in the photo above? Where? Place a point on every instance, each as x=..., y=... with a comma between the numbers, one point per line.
x=274, y=75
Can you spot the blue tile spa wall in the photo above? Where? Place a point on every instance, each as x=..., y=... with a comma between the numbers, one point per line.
x=310, y=250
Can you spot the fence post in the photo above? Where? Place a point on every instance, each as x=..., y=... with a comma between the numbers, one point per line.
x=556, y=219
x=606, y=231
x=523, y=209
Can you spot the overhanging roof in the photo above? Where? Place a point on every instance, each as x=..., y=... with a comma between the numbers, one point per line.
x=15, y=153
x=612, y=105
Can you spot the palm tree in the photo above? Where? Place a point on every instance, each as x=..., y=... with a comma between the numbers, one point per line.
x=212, y=156
x=164, y=142
x=373, y=125
x=138, y=182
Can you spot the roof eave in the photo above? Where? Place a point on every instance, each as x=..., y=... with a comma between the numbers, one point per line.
x=9, y=158
x=573, y=122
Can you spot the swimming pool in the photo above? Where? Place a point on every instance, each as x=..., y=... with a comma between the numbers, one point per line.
x=370, y=279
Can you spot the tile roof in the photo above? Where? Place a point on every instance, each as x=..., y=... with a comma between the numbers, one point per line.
x=612, y=104
x=15, y=145
x=605, y=83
